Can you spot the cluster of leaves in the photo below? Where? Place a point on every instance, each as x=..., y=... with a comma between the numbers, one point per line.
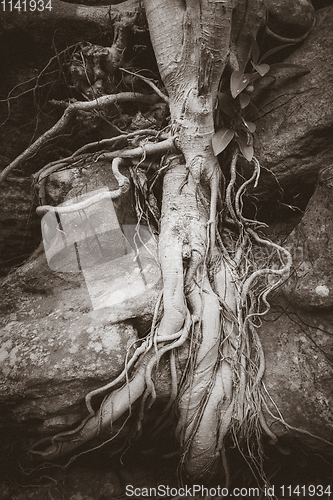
x=234, y=101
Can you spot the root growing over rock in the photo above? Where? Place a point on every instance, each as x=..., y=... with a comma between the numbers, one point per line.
x=214, y=289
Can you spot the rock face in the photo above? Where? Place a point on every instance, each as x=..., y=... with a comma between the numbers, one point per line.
x=54, y=348
x=294, y=133
x=18, y=225
x=298, y=347
x=48, y=365
x=289, y=19
x=311, y=244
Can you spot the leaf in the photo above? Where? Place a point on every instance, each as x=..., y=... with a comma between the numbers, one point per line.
x=288, y=65
x=272, y=51
x=221, y=139
x=250, y=126
x=262, y=69
x=226, y=104
x=255, y=77
x=246, y=149
x=255, y=49
x=256, y=110
x=238, y=82
x=244, y=100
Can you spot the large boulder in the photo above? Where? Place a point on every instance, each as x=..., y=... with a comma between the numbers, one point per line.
x=289, y=19
x=298, y=347
x=311, y=244
x=55, y=346
x=294, y=132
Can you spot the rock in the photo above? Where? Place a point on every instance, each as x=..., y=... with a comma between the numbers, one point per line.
x=54, y=350
x=294, y=133
x=311, y=245
x=128, y=288
x=50, y=361
x=19, y=228
x=298, y=347
x=289, y=19
x=47, y=366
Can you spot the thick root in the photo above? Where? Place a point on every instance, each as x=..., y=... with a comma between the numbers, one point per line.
x=120, y=400
x=113, y=406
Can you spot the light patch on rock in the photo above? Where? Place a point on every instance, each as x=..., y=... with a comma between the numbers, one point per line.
x=4, y=350
x=33, y=357
x=74, y=349
x=109, y=341
x=97, y=346
x=295, y=359
x=322, y=290
x=12, y=356
x=10, y=325
x=3, y=355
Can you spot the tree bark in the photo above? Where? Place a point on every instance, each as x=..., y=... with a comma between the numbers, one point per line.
x=192, y=44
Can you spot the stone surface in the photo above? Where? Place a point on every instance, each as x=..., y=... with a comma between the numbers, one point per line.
x=294, y=133
x=311, y=245
x=289, y=19
x=54, y=348
x=18, y=224
x=298, y=347
x=49, y=364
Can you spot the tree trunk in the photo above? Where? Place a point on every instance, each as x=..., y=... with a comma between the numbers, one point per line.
x=192, y=41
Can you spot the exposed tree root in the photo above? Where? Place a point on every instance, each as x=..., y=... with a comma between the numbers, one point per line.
x=70, y=113
x=124, y=185
x=214, y=289
x=120, y=400
x=150, y=83
x=221, y=384
x=92, y=68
